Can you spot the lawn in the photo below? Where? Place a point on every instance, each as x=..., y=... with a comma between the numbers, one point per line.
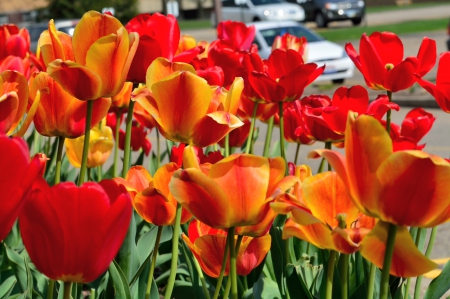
x=395, y=7
x=194, y=24
x=400, y=28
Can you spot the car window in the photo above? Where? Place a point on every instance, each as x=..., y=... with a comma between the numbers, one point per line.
x=69, y=30
x=228, y=3
x=35, y=32
x=270, y=34
x=264, y=2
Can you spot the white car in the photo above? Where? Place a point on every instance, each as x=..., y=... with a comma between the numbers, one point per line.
x=259, y=10
x=338, y=66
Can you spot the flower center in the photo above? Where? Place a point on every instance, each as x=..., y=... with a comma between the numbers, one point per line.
x=389, y=66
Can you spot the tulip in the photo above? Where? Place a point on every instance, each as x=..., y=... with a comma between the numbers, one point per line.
x=59, y=113
x=17, y=174
x=140, y=114
x=236, y=35
x=238, y=136
x=138, y=139
x=100, y=147
x=405, y=188
x=177, y=152
x=102, y=58
x=381, y=61
x=159, y=37
x=221, y=199
x=151, y=197
x=198, y=118
x=122, y=99
x=292, y=121
x=73, y=233
x=292, y=42
x=13, y=100
x=439, y=90
x=208, y=246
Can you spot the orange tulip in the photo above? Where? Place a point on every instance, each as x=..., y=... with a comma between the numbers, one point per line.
x=208, y=246
x=122, y=99
x=13, y=100
x=102, y=51
x=101, y=143
x=59, y=113
x=151, y=197
x=235, y=191
x=407, y=188
x=186, y=108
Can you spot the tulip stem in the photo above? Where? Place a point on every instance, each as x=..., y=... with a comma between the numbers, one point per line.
x=417, y=242
x=344, y=260
x=174, y=262
x=51, y=287
x=388, y=114
x=116, y=144
x=297, y=151
x=158, y=150
x=371, y=282
x=127, y=145
x=252, y=128
x=58, y=159
x=330, y=274
x=227, y=145
x=427, y=254
x=67, y=290
x=233, y=274
x=90, y=105
x=222, y=270
x=92, y=295
x=152, y=265
x=268, y=137
x=280, y=112
x=99, y=173
x=228, y=286
x=328, y=146
x=384, y=283
x=202, y=278
x=36, y=142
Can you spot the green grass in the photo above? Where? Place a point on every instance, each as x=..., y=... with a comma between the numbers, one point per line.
x=354, y=33
x=194, y=24
x=396, y=7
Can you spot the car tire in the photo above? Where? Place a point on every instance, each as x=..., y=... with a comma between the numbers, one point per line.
x=320, y=20
x=356, y=21
x=338, y=81
x=256, y=19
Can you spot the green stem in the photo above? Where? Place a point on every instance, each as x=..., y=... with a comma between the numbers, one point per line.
x=330, y=274
x=67, y=290
x=92, y=295
x=388, y=114
x=36, y=142
x=328, y=147
x=384, y=283
x=202, y=278
x=297, y=151
x=99, y=173
x=227, y=288
x=116, y=144
x=252, y=128
x=227, y=145
x=233, y=274
x=127, y=145
x=47, y=146
x=344, y=275
x=58, y=159
x=417, y=241
x=89, y=174
x=158, y=150
x=280, y=112
x=268, y=137
x=51, y=287
x=174, y=262
x=152, y=265
x=222, y=269
x=90, y=105
x=371, y=282
x=427, y=254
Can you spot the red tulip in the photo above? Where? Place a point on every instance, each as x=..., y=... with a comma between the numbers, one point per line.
x=73, y=233
x=17, y=174
x=292, y=123
x=381, y=61
x=159, y=37
x=138, y=139
x=236, y=35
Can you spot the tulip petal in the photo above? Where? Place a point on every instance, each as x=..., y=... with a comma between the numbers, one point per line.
x=154, y=207
x=213, y=127
x=161, y=68
x=77, y=80
x=317, y=234
x=252, y=253
x=407, y=260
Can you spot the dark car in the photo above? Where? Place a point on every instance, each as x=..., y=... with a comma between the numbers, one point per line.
x=324, y=11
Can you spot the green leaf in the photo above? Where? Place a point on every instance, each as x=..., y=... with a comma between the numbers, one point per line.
x=119, y=282
x=440, y=285
x=295, y=284
x=266, y=288
x=128, y=255
x=19, y=268
x=182, y=289
x=277, y=252
x=7, y=287
x=146, y=243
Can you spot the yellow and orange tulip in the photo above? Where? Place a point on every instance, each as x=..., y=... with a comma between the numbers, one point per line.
x=13, y=100
x=101, y=143
x=102, y=51
x=235, y=191
x=151, y=197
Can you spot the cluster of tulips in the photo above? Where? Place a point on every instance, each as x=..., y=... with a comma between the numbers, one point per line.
x=251, y=226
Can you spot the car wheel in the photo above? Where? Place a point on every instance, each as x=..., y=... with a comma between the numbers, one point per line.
x=338, y=81
x=256, y=19
x=320, y=20
x=356, y=21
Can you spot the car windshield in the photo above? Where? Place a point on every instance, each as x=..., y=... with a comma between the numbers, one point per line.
x=264, y=2
x=270, y=34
